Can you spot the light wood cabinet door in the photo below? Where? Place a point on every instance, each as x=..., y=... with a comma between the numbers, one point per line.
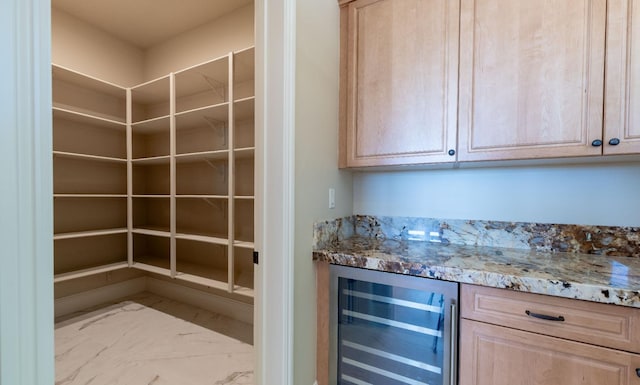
x=622, y=98
x=400, y=76
x=612, y=326
x=531, y=78
x=494, y=355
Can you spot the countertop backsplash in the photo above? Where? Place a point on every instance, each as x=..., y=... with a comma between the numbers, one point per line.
x=562, y=238
x=592, y=263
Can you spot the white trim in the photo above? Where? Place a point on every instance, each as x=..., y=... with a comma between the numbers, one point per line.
x=258, y=191
x=26, y=222
x=288, y=198
x=231, y=308
x=275, y=141
x=89, y=298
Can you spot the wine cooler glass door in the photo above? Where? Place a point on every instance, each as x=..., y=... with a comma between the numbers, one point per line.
x=392, y=329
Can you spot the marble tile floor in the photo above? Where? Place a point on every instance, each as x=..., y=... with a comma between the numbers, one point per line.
x=150, y=340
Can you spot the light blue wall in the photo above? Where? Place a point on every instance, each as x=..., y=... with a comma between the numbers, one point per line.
x=604, y=194
x=26, y=207
x=316, y=163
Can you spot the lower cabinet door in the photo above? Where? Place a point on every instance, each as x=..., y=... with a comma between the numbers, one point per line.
x=495, y=355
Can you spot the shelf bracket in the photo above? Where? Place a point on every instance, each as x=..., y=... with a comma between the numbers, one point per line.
x=212, y=204
x=220, y=167
x=218, y=125
x=216, y=86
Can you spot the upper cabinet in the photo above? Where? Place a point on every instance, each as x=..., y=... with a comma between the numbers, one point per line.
x=544, y=79
x=399, y=77
x=531, y=78
x=622, y=97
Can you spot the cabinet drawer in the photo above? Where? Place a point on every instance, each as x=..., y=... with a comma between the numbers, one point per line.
x=595, y=323
x=494, y=355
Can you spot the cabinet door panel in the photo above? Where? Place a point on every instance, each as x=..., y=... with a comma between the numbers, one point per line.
x=494, y=355
x=402, y=81
x=531, y=78
x=622, y=102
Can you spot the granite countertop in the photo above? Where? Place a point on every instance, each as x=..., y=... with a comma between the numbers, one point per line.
x=597, y=278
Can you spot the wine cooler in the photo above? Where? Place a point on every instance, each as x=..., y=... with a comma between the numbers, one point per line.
x=389, y=329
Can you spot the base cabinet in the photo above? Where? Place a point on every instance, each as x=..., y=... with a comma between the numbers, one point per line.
x=496, y=355
x=515, y=338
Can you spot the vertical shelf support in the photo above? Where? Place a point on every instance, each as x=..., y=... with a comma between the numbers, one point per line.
x=172, y=173
x=231, y=180
x=129, y=145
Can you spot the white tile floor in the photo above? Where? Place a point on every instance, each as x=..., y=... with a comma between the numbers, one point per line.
x=150, y=340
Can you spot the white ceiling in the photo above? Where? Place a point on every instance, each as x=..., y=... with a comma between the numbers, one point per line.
x=145, y=23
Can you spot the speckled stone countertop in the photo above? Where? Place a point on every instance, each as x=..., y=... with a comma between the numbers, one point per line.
x=597, y=277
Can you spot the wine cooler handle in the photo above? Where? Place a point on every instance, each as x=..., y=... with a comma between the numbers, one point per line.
x=453, y=337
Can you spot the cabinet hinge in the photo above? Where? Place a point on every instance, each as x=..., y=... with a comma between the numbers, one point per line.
x=256, y=257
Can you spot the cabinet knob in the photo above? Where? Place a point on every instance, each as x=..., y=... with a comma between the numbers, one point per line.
x=638, y=372
x=452, y=152
x=596, y=143
x=614, y=141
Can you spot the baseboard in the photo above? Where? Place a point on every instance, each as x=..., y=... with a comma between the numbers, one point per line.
x=235, y=309
x=89, y=298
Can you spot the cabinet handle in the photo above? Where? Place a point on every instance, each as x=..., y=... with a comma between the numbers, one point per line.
x=452, y=152
x=638, y=372
x=614, y=141
x=453, y=351
x=545, y=317
x=596, y=143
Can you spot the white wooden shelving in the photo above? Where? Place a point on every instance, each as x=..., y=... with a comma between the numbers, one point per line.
x=77, y=257
x=96, y=158
x=89, y=233
x=90, y=175
x=91, y=271
x=89, y=195
x=87, y=95
x=157, y=177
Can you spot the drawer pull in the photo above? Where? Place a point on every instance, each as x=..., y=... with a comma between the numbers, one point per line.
x=545, y=317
